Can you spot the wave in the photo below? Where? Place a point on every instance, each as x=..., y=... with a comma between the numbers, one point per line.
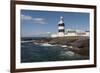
x=63, y=45
x=68, y=53
x=46, y=44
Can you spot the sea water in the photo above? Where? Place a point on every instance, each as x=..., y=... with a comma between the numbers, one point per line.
x=39, y=53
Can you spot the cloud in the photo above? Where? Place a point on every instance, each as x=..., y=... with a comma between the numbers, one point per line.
x=39, y=20
x=26, y=17
x=34, y=20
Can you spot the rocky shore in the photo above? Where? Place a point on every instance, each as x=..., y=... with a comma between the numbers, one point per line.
x=77, y=44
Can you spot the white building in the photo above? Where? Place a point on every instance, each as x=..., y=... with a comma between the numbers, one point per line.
x=68, y=32
x=72, y=33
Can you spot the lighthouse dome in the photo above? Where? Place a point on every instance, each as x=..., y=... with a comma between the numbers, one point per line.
x=61, y=20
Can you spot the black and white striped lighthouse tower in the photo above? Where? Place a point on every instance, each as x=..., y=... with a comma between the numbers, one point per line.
x=61, y=27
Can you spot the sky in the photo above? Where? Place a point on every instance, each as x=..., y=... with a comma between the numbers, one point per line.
x=41, y=23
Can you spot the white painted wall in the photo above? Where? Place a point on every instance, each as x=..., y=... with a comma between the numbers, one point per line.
x=71, y=34
x=5, y=37
x=61, y=27
x=60, y=34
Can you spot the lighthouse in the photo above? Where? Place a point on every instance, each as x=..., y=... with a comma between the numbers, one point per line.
x=61, y=27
